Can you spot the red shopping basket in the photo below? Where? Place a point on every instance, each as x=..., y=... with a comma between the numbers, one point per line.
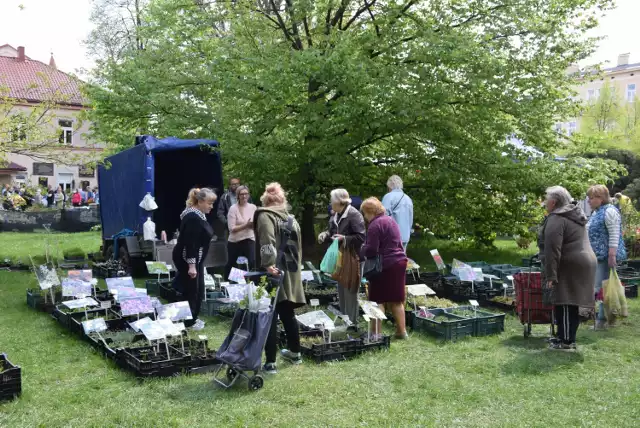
x=529, y=302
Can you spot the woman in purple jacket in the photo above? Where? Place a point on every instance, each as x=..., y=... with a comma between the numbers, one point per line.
x=383, y=238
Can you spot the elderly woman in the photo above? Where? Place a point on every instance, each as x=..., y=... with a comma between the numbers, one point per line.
x=386, y=288
x=191, y=250
x=568, y=262
x=269, y=222
x=605, y=235
x=347, y=226
x=400, y=207
x=242, y=239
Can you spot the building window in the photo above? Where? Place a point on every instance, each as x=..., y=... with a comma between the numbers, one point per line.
x=631, y=92
x=559, y=128
x=573, y=126
x=66, y=131
x=593, y=94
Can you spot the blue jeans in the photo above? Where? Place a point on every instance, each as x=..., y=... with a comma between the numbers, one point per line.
x=602, y=274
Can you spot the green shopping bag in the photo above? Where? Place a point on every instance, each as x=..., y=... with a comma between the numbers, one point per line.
x=330, y=260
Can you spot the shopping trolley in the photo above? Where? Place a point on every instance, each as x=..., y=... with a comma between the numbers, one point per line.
x=532, y=305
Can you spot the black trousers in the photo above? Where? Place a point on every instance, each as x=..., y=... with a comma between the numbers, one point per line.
x=245, y=248
x=568, y=320
x=192, y=289
x=284, y=310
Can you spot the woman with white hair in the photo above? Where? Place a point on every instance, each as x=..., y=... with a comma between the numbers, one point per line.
x=569, y=263
x=399, y=206
x=347, y=226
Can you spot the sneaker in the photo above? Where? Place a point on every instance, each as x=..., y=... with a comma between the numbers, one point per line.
x=553, y=340
x=402, y=336
x=560, y=346
x=291, y=357
x=198, y=325
x=270, y=368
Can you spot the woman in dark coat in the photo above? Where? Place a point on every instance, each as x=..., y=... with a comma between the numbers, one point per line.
x=347, y=226
x=384, y=239
x=569, y=263
x=191, y=250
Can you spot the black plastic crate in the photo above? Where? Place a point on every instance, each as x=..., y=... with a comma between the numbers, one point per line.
x=158, y=365
x=116, y=322
x=169, y=293
x=36, y=300
x=383, y=343
x=10, y=379
x=334, y=351
x=453, y=328
x=153, y=285
x=324, y=296
x=631, y=291
x=485, y=323
x=216, y=307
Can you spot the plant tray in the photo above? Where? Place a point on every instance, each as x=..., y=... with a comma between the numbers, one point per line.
x=217, y=308
x=115, y=321
x=323, y=297
x=211, y=295
x=452, y=328
x=35, y=300
x=158, y=366
x=153, y=285
x=10, y=379
x=335, y=351
x=382, y=344
x=169, y=293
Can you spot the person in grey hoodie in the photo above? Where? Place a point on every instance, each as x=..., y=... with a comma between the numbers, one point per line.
x=569, y=263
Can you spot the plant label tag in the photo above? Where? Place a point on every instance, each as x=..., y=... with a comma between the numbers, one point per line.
x=474, y=303
x=346, y=319
x=314, y=302
x=202, y=337
x=105, y=305
x=505, y=286
x=307, y=275
x=510, y=278
x=420, y=290
x=366, y=317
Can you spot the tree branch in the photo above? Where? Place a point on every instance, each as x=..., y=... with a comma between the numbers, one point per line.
x=357, y=14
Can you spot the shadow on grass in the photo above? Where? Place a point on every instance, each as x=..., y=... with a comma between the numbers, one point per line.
x=206, y=389
x=537, y=361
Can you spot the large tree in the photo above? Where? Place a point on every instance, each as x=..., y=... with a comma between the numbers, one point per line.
x=319, y=94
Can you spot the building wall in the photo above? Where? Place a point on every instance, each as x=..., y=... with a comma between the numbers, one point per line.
x=589, y=90
x=60, y=174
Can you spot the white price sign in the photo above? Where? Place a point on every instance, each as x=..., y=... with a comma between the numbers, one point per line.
x=314, y=302
x=474, y=303
x=420, y=290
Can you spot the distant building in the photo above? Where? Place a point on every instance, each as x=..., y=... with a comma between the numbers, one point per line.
x=20, y=73
x=625, y=77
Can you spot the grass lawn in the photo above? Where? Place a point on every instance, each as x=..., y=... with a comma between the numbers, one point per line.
x=499, y=381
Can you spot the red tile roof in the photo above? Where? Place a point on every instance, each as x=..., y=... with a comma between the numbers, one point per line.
x=35, y=81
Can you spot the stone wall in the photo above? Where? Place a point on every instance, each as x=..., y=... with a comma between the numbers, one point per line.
x=68, y=220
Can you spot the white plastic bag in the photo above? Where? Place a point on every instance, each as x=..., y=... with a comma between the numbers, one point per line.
x=148, y=203
x=149, y=230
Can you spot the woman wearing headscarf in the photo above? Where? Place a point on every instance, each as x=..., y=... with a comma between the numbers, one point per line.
x=347, y=226
x=605, y=235
x=568, y=262
x=191, y=250
x=269, y=221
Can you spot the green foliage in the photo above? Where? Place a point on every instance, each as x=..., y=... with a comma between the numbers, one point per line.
x=321, y=94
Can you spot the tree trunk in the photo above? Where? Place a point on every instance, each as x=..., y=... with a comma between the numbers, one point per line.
x=308, y=229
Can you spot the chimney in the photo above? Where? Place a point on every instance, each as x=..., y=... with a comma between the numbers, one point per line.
x=623, y=59
x=21, y=56
x=52, y=62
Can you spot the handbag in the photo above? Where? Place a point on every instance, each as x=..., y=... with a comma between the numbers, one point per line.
x=372, y=267
x=348, y=273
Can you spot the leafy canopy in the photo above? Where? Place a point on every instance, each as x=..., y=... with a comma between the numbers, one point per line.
x=327, y=93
